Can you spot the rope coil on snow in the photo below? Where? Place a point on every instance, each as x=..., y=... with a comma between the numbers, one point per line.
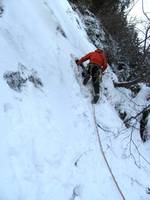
x=105, y=159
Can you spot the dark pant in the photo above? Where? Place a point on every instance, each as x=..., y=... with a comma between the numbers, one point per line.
x=96, y=73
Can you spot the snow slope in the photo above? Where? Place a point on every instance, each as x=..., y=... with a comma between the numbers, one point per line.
x=49, y=148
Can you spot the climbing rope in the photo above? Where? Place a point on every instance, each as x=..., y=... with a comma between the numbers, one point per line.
x=103, y=154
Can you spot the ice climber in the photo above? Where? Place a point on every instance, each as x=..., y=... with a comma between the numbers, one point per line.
x=95, y=68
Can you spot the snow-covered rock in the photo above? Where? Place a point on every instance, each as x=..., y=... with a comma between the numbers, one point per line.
x=49, y=147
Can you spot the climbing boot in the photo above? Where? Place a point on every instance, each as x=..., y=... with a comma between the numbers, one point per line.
x=86, y=79
x=95, y=99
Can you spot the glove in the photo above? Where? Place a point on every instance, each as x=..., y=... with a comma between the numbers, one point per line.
x=77, y=61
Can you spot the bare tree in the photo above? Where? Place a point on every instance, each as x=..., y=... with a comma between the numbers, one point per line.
x=142, y=69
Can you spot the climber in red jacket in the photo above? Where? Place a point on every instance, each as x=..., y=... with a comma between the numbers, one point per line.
x=97, y=65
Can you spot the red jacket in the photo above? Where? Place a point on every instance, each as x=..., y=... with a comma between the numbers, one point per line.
x=96, y=57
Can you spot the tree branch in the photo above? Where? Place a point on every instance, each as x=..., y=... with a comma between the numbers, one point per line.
x=144, y=11
x=128, y=84
x=135, y=117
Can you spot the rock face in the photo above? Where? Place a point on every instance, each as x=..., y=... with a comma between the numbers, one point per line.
x=17, y=80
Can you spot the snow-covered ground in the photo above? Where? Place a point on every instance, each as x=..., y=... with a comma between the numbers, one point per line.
x=49, y=147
